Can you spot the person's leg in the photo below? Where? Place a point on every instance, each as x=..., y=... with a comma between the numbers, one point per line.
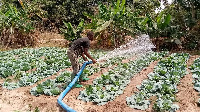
x=75, y=65
x=74, y=62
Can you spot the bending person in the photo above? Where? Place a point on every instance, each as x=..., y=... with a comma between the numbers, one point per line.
x=78, y=48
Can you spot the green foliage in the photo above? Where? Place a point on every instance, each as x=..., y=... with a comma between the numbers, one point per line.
x=112, y=83
x=29, y=66
x=49, y=87
x=162, y=84
x=63, y=77
x=88, y=71
x=62, y=10
x=52, y=87
x=72, y=33
x=115, y=19
x=55, y=86
x=158, y=27
x=186, y=14
x=107, y=15
x=195, y=69
x=15, y=26
x=143, y=7
x=12, y=18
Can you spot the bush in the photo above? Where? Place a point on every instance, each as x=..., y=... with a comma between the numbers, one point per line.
x=15, y=27
x=57, y=11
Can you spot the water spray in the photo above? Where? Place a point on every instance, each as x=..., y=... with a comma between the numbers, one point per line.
x=141, y=45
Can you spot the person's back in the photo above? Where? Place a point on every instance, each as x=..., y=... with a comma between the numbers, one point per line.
x=78, y=45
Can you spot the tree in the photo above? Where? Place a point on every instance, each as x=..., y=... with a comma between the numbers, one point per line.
x=188, y=12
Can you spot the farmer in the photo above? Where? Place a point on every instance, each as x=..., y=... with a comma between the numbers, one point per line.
x=78, y=48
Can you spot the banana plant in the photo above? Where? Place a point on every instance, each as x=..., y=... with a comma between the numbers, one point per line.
x=15, y=25
x=163, y=20
x=155, y=27
x=72, y=33
x=114, y=19
x=13, y=18
x=110, y=15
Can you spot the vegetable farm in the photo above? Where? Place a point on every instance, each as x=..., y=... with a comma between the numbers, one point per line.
x=100, y=55
x=44, y=73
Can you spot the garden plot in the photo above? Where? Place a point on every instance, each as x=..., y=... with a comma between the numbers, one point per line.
x=25, y=67
x=102, y=93
x=53, y=87
x=29, y=66
x=111, y=84
x=195, y=69
x=162, y=84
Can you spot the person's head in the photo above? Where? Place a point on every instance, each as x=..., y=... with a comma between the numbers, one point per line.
x=90, y=35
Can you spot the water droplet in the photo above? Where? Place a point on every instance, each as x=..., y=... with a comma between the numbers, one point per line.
x=139, y=46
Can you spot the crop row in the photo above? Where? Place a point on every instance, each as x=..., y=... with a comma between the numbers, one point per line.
x=113, y=82
x=32, y=65
x=195, y=69
x=52, y=86
x=161, y=85
x=24, y=67
x=55, y=86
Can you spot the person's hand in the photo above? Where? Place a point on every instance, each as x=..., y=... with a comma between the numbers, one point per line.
x=94, y=61
x=86, y=60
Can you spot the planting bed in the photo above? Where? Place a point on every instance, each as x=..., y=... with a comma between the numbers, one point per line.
x=32, y=79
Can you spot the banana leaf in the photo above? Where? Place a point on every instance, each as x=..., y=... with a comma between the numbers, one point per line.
x=103, y=26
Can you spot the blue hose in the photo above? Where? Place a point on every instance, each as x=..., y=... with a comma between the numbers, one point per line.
x=62, y=95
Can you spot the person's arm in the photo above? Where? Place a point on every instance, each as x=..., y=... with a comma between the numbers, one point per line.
x=84, y=58
x=88, y=55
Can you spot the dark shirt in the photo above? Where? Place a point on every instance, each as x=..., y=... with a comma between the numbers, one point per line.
x=78, y=45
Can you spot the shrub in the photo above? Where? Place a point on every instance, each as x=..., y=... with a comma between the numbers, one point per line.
x=15, y=27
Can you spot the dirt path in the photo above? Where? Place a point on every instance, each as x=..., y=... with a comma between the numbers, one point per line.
x=21, y=100
x=187, y=96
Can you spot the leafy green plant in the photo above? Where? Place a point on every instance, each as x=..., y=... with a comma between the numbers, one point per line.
x=88, y=71
x=195, y=69
x=112, y=22
x=112, y=83
x=29, y=66
x=52, y=87
x=162, y=84
x=15, y=26
x=71, y=33
x=157, y=27
x=48, y=87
